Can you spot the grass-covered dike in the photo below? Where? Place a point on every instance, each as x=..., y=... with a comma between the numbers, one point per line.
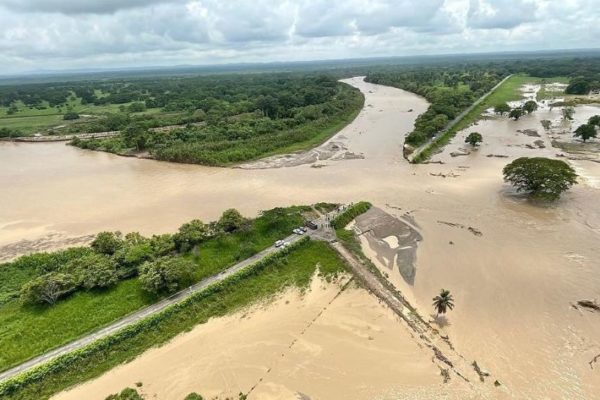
x=259, y=281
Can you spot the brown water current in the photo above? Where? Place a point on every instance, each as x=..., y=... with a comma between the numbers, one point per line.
x=514, y=275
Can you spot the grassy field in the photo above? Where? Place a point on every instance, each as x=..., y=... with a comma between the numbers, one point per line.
x=32, y=120
x=294, y=269
x=508, y=91
x=27, y=331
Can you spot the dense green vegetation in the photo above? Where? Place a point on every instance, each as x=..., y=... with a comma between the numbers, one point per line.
x=216, y=120
x=283, y=269
x=247, y=118
x=450, y=90
x=541, y=178
x=474, y=138
x=27, y=330
x=353, y=211
x=453, y=87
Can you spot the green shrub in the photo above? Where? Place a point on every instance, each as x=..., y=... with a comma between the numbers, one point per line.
x=191, y=234
x=349, y=214
x=193, y=396
x=162, y=245
x=93, y=271
x=166, y=274
x=47, y=289
x=231, y=220
x=107, y=242
x=126, y=394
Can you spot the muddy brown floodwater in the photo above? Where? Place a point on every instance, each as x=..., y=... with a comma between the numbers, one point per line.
x=514, y=275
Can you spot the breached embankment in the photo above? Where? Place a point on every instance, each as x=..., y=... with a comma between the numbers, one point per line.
x=513, y=284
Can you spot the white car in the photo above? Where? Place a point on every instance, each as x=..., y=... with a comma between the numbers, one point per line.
x=279, y=243
x=298, y=231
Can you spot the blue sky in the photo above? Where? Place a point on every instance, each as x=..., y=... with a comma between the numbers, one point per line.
x=65, y=34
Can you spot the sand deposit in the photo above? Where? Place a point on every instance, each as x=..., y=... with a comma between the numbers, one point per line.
x=513, y=284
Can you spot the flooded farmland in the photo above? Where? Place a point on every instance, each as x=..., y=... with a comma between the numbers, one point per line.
x=515, y=275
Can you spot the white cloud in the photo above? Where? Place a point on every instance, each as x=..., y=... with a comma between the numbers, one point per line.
x=36, y=34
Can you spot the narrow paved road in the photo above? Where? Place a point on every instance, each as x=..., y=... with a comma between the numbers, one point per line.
x=150, y=310
x=455, y=121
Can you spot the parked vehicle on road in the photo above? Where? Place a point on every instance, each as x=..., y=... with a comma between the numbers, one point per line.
x=279, y=243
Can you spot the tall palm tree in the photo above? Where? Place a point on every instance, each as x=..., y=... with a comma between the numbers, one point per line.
x=443, y=302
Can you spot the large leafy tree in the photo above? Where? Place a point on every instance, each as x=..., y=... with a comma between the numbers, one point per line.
x=502, y=109
x=515, y=113
x=595, y=120
x=107, y=242
x=93, y=271
x=191, y=234
x=474, y=138
x=231, y=220
x=443, y=302
x=585, y=132
x=543, y=178
x=166, y=274
x=530, y=106
x=578, y=85
x=48, y=288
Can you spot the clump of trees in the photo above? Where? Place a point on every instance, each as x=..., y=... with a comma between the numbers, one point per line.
x=516, y=113
x=542, y=178
x=502, y=109
x=164, y=263
x=474, y=138
x=166, y=274
x=71, y=115
x=231, y=221
x=221, y=120
x=449, y=89
x=579, y=85
x=530, y=106
x=586, y=132
x=7, y=133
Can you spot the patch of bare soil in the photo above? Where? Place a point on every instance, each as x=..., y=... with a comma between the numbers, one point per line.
x=333, y=150
x=394, y=240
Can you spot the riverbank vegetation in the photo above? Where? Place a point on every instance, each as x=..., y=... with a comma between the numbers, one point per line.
x=261, y=281
x=119, y=274
x=450, y=90
x=453, y=87
x=216, y=120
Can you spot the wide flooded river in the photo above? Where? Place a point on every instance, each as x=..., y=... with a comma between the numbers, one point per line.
x=514, y=275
